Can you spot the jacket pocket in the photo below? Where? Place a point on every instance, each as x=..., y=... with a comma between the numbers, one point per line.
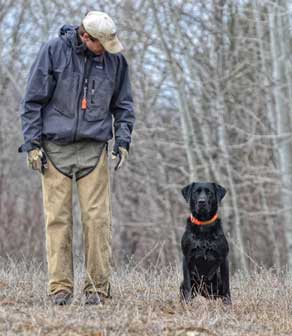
x=66, y=94
x=100, y=90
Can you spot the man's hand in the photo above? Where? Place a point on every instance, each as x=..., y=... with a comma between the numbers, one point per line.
x=35, y=159
x=122, y=155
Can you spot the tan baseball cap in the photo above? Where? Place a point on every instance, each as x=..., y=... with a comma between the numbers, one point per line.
x=100, y=26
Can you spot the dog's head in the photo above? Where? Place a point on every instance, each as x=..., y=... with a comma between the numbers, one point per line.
x=203, y=198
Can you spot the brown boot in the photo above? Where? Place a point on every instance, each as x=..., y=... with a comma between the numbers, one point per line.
x=61, y=298
x=93, y=298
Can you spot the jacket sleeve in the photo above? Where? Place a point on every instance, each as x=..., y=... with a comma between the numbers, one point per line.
x=122, y=105
x=40, y=87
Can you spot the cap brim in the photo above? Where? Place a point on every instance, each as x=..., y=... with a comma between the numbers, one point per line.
x=113, y=46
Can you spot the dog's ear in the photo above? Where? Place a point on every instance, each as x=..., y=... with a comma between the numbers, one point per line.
x=220, y=191
x=186, y=191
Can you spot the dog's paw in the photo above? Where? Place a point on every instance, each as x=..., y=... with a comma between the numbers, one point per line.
x=185, y=300
x=227, y=301
x=185, y=297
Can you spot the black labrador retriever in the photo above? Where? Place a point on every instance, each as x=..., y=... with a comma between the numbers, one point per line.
x=204, y=246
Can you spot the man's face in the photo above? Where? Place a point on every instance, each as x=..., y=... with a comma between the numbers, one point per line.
x=94, y=46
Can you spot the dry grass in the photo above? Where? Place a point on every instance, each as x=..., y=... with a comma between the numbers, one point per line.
x=145, y=302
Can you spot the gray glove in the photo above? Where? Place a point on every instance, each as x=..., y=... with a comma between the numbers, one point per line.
x=36, y=160
x=122, y=155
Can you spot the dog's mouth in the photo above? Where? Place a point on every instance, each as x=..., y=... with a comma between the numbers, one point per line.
x=201, y=212
x=202, y=209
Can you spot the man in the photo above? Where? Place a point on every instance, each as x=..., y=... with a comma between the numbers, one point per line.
x=78, y=83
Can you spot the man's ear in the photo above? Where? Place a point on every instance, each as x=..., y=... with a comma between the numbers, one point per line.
x=85, y=37
x=220, y=191
x=186, y=191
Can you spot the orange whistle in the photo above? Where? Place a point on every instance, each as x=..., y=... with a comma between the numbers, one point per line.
x=84, y=104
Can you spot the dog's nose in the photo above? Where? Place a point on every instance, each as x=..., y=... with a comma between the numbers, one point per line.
x=202, y=201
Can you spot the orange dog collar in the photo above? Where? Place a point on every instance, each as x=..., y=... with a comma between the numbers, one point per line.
x=198, y=222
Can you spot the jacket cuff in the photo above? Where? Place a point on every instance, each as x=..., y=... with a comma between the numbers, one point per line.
x=121, y=143
x=28, y=146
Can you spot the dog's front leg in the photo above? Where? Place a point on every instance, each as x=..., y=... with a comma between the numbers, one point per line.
x=186, y=287
x=224, y=270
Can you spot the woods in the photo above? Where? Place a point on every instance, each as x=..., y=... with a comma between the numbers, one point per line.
x=212, y=84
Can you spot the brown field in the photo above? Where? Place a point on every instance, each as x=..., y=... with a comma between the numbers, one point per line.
x=145, y=302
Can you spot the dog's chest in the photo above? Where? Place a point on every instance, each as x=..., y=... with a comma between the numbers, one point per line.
x=207, y=249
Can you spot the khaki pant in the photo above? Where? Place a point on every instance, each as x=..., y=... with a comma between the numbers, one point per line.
x=94, y=197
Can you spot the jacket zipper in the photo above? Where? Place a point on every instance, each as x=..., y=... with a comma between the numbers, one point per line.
x=92, y=91
x=79, y=99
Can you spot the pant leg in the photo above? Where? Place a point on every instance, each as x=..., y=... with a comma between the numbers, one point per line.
x=57, y=199
x=94, y=197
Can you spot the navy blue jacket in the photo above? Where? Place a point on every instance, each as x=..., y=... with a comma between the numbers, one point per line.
x=52, y=102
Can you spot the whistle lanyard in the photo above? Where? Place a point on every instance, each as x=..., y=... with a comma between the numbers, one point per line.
x=87, y=69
